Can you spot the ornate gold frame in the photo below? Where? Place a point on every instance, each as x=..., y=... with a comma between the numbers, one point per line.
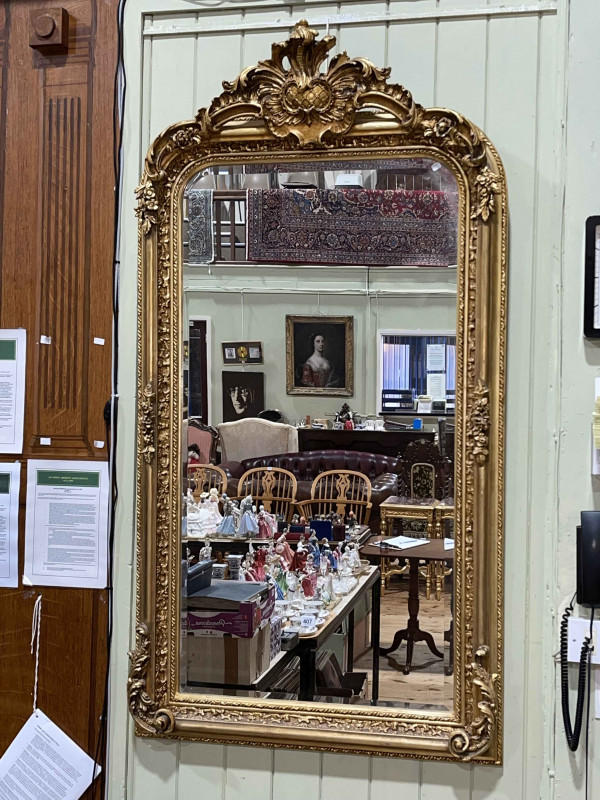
x=280, y=110
x=348, y=388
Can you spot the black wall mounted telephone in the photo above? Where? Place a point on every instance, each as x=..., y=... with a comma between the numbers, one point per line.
x=588, y=596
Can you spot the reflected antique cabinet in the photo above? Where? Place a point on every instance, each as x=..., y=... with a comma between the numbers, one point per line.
x=56, y=235
x=310, y=162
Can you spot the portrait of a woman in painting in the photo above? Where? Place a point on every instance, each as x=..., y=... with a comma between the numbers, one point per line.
x=320, y=353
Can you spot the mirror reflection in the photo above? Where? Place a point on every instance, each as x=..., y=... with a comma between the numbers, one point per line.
x=319, y=314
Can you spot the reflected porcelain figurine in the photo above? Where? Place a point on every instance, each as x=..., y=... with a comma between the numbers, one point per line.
x=285, y=552
x=199, y=517
x=248, y=525
x=213, y=502
x=309, y=581
x=313, y=549
x=293, y=583
x=205, y=552
x=267, y=524
x=353, y=558
x=227, y=525
x=327, y=555
x=300, y=556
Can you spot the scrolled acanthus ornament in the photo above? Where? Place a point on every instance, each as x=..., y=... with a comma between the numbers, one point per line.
x=479, y=423
x=487, y=186
x=147, y=205
x=475, y=738
x=142, y=707
x=146, y=421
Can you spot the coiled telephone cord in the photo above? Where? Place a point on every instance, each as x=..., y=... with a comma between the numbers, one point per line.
x=573, y=733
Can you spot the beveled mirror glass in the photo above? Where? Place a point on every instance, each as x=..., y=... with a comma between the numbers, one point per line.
x=321, y=321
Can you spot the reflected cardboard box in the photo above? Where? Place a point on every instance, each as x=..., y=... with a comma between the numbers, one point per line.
x=217, y=609
x=216, y=657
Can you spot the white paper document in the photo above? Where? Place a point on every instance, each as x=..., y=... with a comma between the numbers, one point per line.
x=436, y=358
x=12, y=389
x=402, y=542
x=436, y=385
x=66, y=525
x=10, y=481
x=448, y=544
x=43, y=763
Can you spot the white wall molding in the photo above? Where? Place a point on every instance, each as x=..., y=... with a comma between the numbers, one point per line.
x=158, y=29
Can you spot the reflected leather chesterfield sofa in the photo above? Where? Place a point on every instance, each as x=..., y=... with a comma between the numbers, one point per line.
x=381, y=470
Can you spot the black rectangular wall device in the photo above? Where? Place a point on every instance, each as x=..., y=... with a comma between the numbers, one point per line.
x=588, y=560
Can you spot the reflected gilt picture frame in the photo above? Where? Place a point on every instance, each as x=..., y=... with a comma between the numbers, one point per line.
x=298, y=102
x=319, y=354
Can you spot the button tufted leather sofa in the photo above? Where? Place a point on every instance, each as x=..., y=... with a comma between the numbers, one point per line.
x=381, y=470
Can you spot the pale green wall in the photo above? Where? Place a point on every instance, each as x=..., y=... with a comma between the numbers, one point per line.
x=529, y=80
x=236, y=315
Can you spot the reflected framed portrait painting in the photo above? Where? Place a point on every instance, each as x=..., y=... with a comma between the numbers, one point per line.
x=320, y=355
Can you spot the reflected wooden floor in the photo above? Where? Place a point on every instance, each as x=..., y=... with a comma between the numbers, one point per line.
x=426, y=684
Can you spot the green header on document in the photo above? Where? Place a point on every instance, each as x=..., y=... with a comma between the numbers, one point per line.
x=8, y=349
x=47, y=477
x=4, y=483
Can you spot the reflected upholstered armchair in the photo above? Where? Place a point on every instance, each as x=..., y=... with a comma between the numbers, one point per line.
x=206, y=438
x=271, y=487
x=339, y=492
x=249, y=438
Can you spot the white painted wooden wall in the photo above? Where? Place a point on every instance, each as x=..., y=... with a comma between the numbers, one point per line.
x=527, y=73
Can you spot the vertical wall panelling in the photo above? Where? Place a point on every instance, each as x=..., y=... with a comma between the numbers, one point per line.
x=580, y=358
x=296, y=775
x=411, y=53
x=156, y=768
x=56, y=276
x=441, y=782
x=171, y=66
x=345, y=777
x=249, y=773
x=201, y=771
x=392, y=779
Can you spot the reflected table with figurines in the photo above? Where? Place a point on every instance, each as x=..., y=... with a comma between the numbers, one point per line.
x=309, y=643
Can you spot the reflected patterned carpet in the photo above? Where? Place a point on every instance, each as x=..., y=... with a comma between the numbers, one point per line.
x=426, y=685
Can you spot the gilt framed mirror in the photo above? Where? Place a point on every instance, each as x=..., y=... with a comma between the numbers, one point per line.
x=331, y=579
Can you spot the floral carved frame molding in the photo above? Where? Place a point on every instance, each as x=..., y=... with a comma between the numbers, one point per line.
x=286, y=108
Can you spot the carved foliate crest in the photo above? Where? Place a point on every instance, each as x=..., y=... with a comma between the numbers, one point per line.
x=301, y=100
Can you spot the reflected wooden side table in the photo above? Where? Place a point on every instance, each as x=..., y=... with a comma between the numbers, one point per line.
x=432, y=551
x=403, y=508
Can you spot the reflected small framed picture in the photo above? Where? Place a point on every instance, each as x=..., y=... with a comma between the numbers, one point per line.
x=242, y=353
x=591, y=300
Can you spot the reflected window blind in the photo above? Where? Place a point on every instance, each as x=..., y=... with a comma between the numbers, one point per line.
x=405, y=361
x=396, y=365
x=451, y=367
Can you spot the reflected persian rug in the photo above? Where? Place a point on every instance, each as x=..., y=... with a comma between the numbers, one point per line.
x=201, y=248
x=403, y=164
x=398, y=227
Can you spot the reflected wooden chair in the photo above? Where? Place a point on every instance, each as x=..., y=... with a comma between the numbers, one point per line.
x=271, y=487
x=427, y=474
x=339, y=492
x=204, y=477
